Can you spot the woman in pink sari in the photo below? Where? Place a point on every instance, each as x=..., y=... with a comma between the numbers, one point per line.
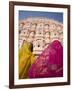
x=49, y=63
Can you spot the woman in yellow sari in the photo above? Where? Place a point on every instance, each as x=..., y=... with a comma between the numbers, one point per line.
x=26, y=59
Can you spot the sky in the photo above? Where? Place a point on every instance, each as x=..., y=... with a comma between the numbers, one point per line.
x=58, y=16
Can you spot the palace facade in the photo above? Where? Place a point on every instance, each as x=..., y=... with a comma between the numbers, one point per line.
x=40, y=31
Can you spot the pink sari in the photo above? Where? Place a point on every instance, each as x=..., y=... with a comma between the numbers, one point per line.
x=49, y=63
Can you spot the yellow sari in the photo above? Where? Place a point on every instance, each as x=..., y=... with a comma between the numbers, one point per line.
x=26, y=59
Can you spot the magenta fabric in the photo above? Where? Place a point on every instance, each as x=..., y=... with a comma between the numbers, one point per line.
x=49, y=63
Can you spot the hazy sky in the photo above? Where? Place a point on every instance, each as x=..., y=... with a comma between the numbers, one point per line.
x=53, y=15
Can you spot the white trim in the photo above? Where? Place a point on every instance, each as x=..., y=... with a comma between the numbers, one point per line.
x=41, y=80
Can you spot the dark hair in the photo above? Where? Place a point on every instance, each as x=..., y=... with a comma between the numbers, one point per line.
x=31, y=45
